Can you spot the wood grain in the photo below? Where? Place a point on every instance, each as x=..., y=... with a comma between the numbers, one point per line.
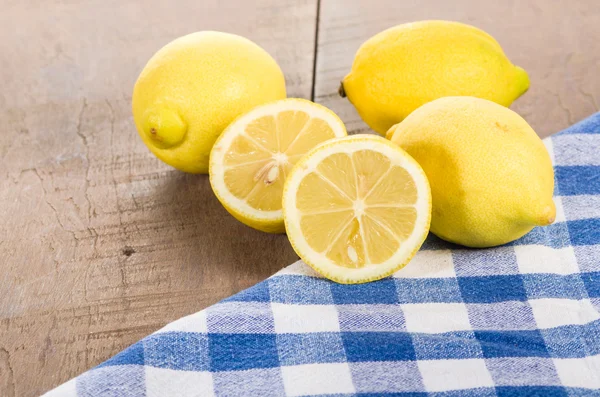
x=557, y=42
x=101, y=243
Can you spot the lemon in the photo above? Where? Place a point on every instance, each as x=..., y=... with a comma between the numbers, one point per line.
x=193, y=87
x=249, y=162
x=491, y=176
x=404, y=67
x=356, y=209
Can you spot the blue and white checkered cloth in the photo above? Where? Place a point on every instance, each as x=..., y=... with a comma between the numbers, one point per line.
x=517, y=320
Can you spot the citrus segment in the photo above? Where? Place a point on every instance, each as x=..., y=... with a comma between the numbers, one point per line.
x=263, y=131
x=335, y=168
x=318, y=194
x=250, y=161
x=314, y=131
x=348, y=249
x=373, y=164
x=356, y=209
x=293, y=121
x=381, y=242
x=397, y=187
x=322, y=228
x=244, y=151
x=399, y=220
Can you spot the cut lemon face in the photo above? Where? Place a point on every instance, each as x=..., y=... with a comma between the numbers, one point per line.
x=357, y=209
x=251, y=159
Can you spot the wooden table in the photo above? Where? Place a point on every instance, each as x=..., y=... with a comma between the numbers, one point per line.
x=101, y=243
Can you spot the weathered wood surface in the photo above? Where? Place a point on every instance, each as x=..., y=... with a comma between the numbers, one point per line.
x=100, y=243
x=557, y=42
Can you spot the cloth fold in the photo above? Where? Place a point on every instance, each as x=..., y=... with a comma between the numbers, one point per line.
x=517, y=320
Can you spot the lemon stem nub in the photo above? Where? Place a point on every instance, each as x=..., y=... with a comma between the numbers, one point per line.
x=165, y=127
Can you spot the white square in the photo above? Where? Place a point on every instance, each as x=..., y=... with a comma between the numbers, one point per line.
x=579, y=372
x=192, y=323
x=444, y=375
x=298, y=268
x=434, y=318
x=576, y=149
x=582, y=206
x=560, y=210
x=542, y=259
x=68, y=389
x=305, y=318
x=162, y=382
x=429, y=264
x=550, y=148
x=311, y=379
x=551, y=312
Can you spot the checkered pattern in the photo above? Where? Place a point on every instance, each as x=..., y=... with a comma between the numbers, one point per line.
x=517, y=320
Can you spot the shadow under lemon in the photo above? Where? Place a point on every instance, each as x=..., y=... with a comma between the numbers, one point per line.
x=214, y=249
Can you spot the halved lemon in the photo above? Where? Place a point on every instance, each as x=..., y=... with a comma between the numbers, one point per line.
x=357, y=209
x=251, y=159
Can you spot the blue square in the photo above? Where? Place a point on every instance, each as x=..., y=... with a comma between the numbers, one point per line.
x=386, y=378
x=591, y=125
x=501, y=316
x=240, y=318
x=489, y=289
x=371, y=318
x=263, y=382
x=187, y=351
x=585, y=231
x=423, y=290
x=519, y=371
x=573, y=341
x=485, y=262
x=546, y=285
x=400, y=394
x=577, y=180
x=300, y=290
x=134, y=354
x=382, y=291
x=512, y=344
x=318, y=347
x=448, y=345
x=533, y=391
x=118, y=381
x=477, y=392
x=229, y=352
x=378, y=346
x=256, y=293
x=591, y=281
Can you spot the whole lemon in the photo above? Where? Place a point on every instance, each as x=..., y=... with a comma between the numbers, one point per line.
x=490, y=174
x=193, y=87
x=404, y=67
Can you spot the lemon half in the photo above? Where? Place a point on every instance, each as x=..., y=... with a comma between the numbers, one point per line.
x=251, y=159
x=357, y=209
